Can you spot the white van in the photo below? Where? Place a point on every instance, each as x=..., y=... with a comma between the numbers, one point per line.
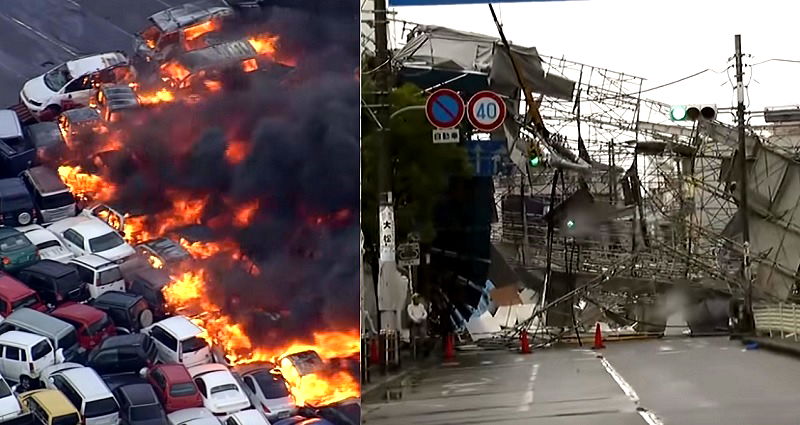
x=100, y=274
x=178, y=341
x=88, y=393
x=23, y=355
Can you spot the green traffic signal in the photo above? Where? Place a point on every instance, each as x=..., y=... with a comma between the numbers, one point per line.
x=570, y=224
x=535, y=161
x=678, y=113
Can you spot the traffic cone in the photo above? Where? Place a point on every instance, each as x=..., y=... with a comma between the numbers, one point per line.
x=374, y=352
x=524, y=345
x=598, y=338
x=449, y=348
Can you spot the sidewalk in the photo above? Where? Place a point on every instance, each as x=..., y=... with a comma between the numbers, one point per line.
x=776, y=343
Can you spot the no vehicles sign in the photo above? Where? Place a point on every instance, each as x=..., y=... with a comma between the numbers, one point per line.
x=486, y=111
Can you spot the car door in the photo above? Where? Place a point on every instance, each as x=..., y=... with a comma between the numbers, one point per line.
x=74, y=241
x=77, y=93
x=109, y=216
x=166, y=343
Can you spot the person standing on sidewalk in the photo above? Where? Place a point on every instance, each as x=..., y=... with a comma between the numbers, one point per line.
x=419, y=320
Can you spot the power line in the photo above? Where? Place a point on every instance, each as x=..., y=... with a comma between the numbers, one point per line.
x=658, y=87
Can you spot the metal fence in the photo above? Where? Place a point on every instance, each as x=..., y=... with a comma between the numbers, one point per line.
x=778, y=319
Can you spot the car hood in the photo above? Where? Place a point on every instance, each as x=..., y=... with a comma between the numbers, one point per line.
x=227, y=399
x=160, y=421
x=117, y=253
x=56, y=253
x=37, y=90
x=277, y=405
x=9, y=406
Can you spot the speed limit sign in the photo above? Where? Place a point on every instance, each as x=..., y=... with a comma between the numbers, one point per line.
x=486, y=111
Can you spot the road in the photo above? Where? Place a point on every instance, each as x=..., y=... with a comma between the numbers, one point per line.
x=666, y=381
x=36, y=35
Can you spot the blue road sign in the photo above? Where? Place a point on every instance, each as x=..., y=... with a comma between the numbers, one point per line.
x=445, y=108
x=447, y=2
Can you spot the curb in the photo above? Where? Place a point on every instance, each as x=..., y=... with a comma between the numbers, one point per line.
x=792, y=349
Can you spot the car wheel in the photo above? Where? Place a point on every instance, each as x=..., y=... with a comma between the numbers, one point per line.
x=145, y=318
x=26, y=383
x=24, y=218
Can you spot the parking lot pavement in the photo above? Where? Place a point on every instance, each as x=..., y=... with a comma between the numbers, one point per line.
x=39, y=34
x=663, y=381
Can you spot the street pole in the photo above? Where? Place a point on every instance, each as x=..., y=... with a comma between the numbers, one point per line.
x=743, y=206
x=388, y=302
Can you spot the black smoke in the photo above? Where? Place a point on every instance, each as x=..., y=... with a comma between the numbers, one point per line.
x=302, y=128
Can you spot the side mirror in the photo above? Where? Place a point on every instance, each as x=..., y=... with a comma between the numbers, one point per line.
x=60, y=355
x=143, y=372
x=14, y=388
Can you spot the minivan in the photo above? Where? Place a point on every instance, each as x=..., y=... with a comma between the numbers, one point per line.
x=15, y=295
x=55, y=282
x=60, y=333
x=88, y=393
x=100, y=274
x=179, y=341
x=51, y=196
x=16, y=152
x=23, y=356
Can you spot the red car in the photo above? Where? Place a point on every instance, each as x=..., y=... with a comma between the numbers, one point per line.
x=93, y=325
x=174, y=387
x=15, y=294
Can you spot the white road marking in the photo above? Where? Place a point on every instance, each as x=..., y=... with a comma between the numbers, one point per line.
x=58, y=44
x=487, y=362
x=527, y=397
x=671, y=352
x=648, y=416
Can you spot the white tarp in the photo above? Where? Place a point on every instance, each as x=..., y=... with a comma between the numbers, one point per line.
x=483, y=326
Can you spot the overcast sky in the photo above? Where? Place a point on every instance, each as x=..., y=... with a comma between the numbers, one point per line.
x=660, y=41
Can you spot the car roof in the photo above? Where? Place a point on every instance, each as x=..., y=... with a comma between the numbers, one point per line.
x=53, y=401
x=21, y=338
x=185, y=415
x=249, y=368
x=250, y=417
x=180, y=326
x=79, y=312
x=13, y=186
x=9, y=124
x=119, y=96
x=175, y=372
x=139, y=394
x=218, y=55
x=207, y=368
x=123, y=340
x=36, y=318
x=88, y=227
x=12, y=289
x=125, y=299
x=188, y=14
x=93, y=261
x=81, y=115
x=87, y=382
x=46, y=180
x=37, y=234
x=167, y=248
x=88, y=64
x=51, y=268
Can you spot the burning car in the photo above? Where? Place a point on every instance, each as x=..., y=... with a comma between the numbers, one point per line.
x=163, y=253
x=305, y=362
x=70, y=84
x=113, y=101
x=78, y=124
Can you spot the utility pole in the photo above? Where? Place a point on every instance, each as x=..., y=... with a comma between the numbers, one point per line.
x=388, y=294
x=743, y=205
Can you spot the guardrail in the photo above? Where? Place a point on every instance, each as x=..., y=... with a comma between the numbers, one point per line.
x=781, y=319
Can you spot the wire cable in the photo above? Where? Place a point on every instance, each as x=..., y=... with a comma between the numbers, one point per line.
x=659, y=86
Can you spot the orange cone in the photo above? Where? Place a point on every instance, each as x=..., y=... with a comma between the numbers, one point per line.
x=598, y=338
x=524, y=345
x=449, y=348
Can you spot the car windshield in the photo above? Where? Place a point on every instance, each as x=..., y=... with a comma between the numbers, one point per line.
x=4, y=390
x=193, y=344
x=57, y=78
x=25, y=302
x=110, y=276
x=48, y=244
x=67, y=341
x=41, y=349
x=102, y=407
x=108, y=241
x=70, y=419
x=98, y=326
x=14, y=243
x=222, y=388
x=183, y=390
x=146, y=413
x=56, y=201
x=271, y=386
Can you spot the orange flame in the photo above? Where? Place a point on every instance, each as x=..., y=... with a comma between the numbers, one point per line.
x=236, y=151
x=213, y=85
x=160, y=96
x=243, y=216
x=86, y=186
x=155, y=262
x=264, y=44
x=192, y=34
x=175, y=71
x=249, y=65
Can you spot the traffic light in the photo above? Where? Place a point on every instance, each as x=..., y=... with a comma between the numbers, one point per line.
x=570, y=224
x=535, y=155
x=693, y=112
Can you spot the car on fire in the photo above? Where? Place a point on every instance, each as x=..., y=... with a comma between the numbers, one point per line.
x=16, y=250
x=220, y=390
x=148, y=283
x=16, y=151
x=304, y=362
x=269, y=388
x=163, y=253
x=89, y=235
x=69, y=85
x=79, y=125
x=50, y=247
x=179, y=341
x=113, y=101
x=51, y=197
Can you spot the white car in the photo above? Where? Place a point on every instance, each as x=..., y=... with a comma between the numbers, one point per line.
x=44, y=376
x=219, y=389
x=89, y=235
x=70, y=84
x=269, y=389
x=178, y=341
x=50, y=247
x=9, y=403
x=193, y=416
x=88, y=393
x=101, y=275
x=247, y=417
x=37, y=352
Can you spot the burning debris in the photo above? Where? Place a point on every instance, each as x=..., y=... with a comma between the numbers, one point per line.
x=268, y=170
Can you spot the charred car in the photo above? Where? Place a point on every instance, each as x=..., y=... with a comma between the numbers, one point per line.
x=114, y=101
x=79, y=125
x=16, y=151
